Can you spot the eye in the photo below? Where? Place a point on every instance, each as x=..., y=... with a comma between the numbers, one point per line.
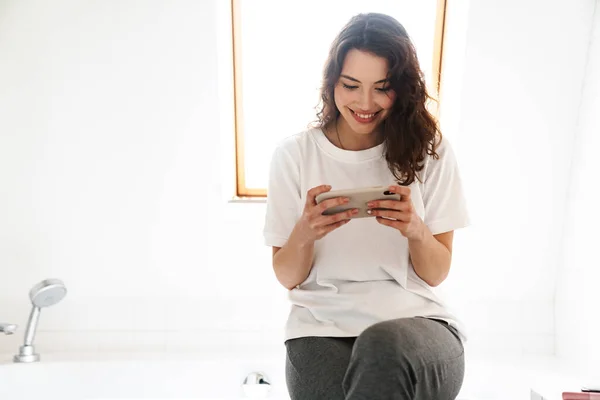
x=384, y=90
x=348, y=86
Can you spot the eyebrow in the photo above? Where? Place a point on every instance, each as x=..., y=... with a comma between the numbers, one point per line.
x=356, y=80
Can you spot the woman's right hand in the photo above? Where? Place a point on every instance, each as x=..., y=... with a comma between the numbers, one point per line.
x=313, y=225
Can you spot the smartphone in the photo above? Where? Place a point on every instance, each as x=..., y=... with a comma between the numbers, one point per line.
x=358, y=199
x=591, y=388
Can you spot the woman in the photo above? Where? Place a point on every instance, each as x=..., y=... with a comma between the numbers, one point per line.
x=365, y=322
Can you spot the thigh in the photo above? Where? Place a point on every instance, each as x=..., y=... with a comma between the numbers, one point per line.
x=315, y=367
x=413, y=358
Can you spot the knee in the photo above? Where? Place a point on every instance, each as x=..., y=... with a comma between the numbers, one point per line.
x=380, y=359
x=397, y=344
x=406, y=358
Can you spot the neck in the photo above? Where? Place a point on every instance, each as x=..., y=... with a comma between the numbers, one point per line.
x=345, y=138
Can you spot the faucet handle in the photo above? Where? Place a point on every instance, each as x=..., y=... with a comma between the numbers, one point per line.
x=7, y=329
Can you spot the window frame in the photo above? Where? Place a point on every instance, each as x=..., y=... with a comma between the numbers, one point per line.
x=243, y=192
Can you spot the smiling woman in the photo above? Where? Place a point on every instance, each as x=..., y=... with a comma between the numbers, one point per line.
x=365, y=321
x=280, y=64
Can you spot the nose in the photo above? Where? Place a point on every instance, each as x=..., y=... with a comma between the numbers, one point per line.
x=365, y=102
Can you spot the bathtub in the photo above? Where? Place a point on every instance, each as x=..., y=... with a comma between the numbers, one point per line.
x=137, y=376
x=103, y=376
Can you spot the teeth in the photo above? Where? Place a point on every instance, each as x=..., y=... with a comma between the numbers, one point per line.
x=365, y=116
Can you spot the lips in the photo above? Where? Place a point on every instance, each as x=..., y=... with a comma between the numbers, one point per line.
x=364, y=118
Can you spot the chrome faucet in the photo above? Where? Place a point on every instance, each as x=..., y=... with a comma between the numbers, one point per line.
x=7, y=329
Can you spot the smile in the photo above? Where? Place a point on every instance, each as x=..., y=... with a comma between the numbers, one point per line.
x=364, y=118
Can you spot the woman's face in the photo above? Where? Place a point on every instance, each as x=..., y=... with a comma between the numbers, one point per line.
x=362, y=94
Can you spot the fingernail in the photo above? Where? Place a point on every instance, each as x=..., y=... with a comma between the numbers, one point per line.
x=370, y=204
x=369, y=211
x=354, y=211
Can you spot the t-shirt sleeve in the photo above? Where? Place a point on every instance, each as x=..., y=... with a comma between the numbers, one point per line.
x=283, y=198
x=443, y=196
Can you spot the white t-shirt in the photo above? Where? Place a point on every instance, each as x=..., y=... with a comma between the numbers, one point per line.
x=362, y=273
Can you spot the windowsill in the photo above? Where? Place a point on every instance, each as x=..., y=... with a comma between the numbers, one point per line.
x=243, y=210
x=248, y=200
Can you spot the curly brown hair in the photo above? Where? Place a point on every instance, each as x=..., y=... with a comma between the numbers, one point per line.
x=410, y=131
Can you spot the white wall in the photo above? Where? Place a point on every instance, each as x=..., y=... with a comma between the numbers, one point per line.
x=111, y=180
x=517, y=108
x=578, y=294
x=115, y=165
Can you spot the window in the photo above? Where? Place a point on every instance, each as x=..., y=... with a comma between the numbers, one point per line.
x=280, y=48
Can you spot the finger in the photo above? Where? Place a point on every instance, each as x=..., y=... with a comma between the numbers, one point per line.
x=389, y=204
x=387, y=214
x=314, y=192
x=344, y=214
x=392, y=223
x=403, y=191
x=331, y=219
x=330, y=203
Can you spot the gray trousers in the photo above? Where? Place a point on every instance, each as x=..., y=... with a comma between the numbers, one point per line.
x=407, y=359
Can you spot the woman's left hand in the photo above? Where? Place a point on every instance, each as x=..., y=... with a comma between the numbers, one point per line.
x=399, y=214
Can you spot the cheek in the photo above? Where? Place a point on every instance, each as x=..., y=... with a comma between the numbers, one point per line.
x=344, y=98
x=341, y=99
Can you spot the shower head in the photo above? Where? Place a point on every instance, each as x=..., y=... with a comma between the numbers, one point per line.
x=47, y=293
